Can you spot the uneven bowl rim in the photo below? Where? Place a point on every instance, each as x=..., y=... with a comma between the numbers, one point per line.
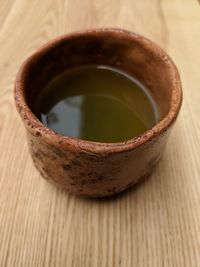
x=34, y=125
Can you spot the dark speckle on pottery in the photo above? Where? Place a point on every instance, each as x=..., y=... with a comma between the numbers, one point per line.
x=66, y=167
x=58, y=152
x=92, y=168
x=37, y=155
x=76, y=162
x=101, y=177
x=38, y=134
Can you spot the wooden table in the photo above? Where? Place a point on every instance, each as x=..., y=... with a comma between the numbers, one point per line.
x=157, y=224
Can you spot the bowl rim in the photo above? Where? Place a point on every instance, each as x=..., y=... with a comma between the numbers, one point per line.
x=34, y=125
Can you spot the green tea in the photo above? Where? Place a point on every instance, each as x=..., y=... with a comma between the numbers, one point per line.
x=97, y=103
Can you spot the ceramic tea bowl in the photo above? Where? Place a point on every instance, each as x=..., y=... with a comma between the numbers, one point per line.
x=93, y=168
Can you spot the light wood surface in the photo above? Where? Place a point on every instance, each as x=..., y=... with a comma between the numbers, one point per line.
x=157, y=224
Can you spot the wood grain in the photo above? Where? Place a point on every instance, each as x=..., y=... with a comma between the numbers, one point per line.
x=157, y=224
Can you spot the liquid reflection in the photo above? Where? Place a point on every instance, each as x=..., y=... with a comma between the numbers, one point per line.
x=99, y=105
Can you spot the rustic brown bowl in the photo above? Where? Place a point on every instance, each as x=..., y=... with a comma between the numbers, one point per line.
x=93, y=168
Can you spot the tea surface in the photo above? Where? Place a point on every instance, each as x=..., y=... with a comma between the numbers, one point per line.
x=97, y=103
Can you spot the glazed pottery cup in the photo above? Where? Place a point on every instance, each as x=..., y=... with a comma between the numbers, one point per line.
x=93, y=168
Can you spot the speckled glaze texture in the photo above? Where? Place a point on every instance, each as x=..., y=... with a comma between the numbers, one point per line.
x=92, y=168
